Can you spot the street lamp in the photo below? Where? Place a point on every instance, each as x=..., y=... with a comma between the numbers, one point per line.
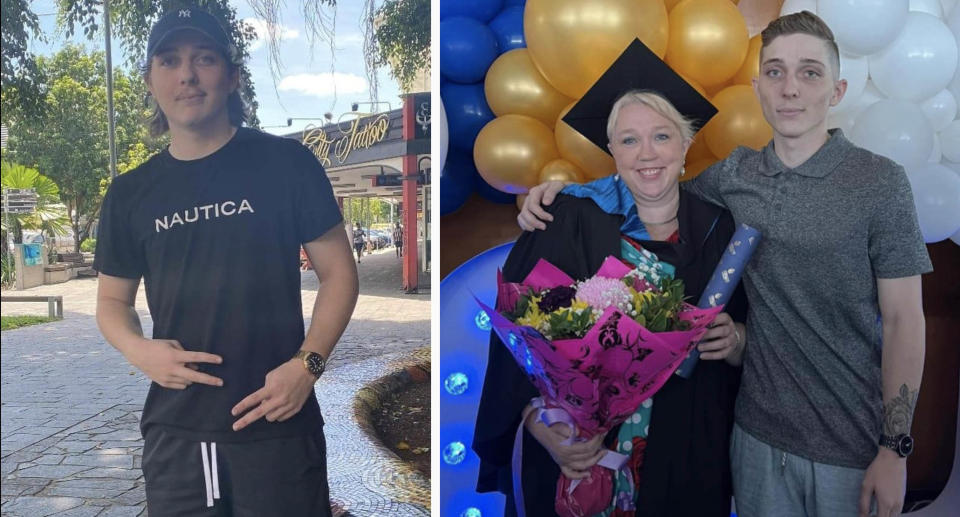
x=356, y=105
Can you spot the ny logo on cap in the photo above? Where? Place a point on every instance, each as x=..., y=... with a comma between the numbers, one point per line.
x=184, y=13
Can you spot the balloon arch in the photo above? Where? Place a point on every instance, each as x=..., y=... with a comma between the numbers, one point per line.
x=511, y=69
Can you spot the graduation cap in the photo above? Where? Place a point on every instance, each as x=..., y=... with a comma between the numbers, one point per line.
x=637, y=68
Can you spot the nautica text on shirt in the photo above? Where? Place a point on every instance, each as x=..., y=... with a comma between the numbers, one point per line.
x=204, y=213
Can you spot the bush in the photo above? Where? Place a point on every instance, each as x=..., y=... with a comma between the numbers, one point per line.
x=88, y=245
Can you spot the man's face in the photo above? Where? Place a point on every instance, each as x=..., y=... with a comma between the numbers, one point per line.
x=191, y=80
x=797, y=85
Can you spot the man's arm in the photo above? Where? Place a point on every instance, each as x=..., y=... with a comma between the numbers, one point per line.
x=902, y=368
x=287, y=387
x=164, y=361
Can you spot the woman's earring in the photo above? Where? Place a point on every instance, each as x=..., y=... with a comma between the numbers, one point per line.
x=683, y=170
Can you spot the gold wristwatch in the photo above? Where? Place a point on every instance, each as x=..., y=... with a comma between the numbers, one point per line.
x=312, y=361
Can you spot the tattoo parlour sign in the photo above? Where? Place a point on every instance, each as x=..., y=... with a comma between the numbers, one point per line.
x=339, y=144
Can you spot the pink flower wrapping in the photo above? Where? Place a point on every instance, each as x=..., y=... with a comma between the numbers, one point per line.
x=600, y=379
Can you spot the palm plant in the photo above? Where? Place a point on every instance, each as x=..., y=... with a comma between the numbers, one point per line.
x=50, y=216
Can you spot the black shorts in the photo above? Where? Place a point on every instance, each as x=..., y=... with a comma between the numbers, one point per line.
x=277, y=477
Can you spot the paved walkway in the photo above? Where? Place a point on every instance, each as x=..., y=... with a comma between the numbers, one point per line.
x=70, y=436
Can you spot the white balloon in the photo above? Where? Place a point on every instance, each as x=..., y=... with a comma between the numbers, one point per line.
x=919, y=63
x=936, y=192
x=795, y=6
x=444, y=134
x=948, y=6
x=843, y=120
x=952, y=165
x=936, y=155
x=855, y=70
x=863, y=27
x=954, y=86
x=950, y=141
x=896, y=129
x=940, y=109
x=956, y=237
x=847, y=118
x=927, y=6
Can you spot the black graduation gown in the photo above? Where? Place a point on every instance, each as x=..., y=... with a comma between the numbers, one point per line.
x=686, y=469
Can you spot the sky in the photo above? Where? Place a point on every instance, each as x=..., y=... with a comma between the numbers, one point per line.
x=305, y=87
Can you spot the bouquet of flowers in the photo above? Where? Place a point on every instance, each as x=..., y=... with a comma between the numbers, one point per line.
x=595, y=349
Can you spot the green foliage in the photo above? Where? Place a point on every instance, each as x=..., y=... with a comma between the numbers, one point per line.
x=50, y=216
x=12, y=322
x=658, y=310
x=89, y=245
x=8, y=270
x=69, y=141
x=403, y=39
x=567, y=324
x=18, y=72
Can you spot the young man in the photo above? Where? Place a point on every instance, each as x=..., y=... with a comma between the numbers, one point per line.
x=359, y=240
x=231, y=424
x=836, y=327
x=398, y=239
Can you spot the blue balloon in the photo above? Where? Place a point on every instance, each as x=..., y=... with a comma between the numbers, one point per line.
x=457, y=181
x=510, y=3
x=491, y=194
x=508, y=26
x=467, y=113
x=467, y=49
x=482, y=10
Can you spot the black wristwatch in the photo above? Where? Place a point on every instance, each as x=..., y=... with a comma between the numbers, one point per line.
x=902, y=444
x=312, y=361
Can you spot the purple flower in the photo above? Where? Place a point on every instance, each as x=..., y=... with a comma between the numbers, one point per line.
x=557, y=298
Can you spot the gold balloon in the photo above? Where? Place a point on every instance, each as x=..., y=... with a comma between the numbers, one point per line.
x=739, y=122
x=708, y=40
x=696, y=85
x=561, y=170
x=751, y=65
x=514, y=85
x=698, y=149
x=670, y=4
x=573, y=42
x=577, y=149
x=511, y=150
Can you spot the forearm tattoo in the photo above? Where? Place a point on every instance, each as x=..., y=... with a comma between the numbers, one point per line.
x=898, y=412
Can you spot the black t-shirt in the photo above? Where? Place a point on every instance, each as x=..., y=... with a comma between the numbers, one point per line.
x=217, y=243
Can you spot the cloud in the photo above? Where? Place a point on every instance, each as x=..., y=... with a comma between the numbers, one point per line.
x=352, y=38
x=262, y=29
x=321, y=85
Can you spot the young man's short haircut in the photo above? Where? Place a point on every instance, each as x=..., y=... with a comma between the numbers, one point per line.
x=803, y=22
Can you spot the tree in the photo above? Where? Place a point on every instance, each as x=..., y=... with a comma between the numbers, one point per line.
x=18, y=70
x=403, y=39
x=49, y=217
x=69, y=141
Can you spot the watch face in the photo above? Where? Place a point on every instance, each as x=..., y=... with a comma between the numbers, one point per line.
x=905, y=446
x=315, y=364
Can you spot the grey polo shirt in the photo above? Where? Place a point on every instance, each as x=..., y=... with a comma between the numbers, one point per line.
x=831, y=226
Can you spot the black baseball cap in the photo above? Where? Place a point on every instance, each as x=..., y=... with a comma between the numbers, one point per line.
x=189, y=18
x=637, y=68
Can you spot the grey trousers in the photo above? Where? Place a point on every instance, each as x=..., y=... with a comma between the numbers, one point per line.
x=768, y=481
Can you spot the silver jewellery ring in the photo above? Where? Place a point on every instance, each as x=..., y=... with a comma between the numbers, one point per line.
x=737, y=334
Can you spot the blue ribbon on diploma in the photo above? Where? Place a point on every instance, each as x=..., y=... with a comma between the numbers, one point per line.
x=724, y=281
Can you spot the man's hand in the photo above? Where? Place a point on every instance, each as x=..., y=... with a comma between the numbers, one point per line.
x=576, y=459
x=283, y=394
x=166, y=363
x=886, y=478
x=724, y=340
x=532, y=216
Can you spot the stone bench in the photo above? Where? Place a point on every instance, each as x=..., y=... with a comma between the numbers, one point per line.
x=54, y=303
x=57, y=273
